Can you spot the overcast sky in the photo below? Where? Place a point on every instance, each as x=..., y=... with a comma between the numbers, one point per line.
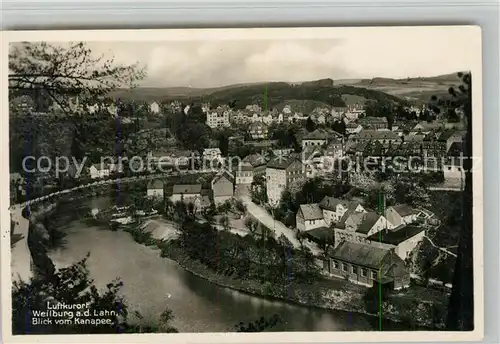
x=207, y=63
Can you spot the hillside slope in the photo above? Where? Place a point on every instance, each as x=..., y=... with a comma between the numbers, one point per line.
x=266, y=94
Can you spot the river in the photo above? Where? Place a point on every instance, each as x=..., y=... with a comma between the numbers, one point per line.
x=151, y=284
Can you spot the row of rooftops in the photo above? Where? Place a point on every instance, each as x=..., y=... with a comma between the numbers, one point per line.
x=191, y=188
x=322, y=134
x=371, y=256
x=376, y=148
x=359, y=254
x=365, y=219
x=158, y=184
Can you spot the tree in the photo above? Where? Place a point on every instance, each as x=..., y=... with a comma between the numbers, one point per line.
x=224, y=222
x=310, y=125
x=380, y=108
x=239, y=206
x=452, y=116
x=224, y=207
x=190, y=209
x=339, y=127
x=251, y=225
x=209, y=213
x=265, y=232
x=223, y=138
x=191, y=133
x=166, y=319
x=390, y=119
x=461, y=305
x=258, y=189
x=180, y=211
x=71, y=78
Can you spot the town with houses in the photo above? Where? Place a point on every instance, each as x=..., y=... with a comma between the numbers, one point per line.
x=348, y=201
x=362, y=236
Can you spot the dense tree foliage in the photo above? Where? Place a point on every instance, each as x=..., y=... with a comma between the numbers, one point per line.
x=339, y=127
x=257, y=257
x=286, y=136
x=60, y=72
x=189, y=130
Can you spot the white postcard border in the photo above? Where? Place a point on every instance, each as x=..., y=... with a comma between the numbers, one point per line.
x=470, y=37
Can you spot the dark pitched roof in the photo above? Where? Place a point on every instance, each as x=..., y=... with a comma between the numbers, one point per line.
x=310, y=152
x=321, y=234
x=311, y=211
x=321, y=134
x=449, y=133
x=373, y=120
x=359, y=254
x=318, y=134
x=244, y=166
x=281, y=163
x=396, y=235
x=255, y=159
x=414, y=138
x=429, y=126
x=404, y=210
x=376, y=135
x=330, y=203
x=187, y=189
x=356, y=216
x=155, y=184
x=224, y=174
x=368, y=221
x=347, y=214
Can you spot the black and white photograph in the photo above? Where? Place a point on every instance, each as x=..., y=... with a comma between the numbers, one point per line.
x=295, y=181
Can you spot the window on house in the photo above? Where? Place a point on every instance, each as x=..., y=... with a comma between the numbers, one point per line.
x=374, y=274
x=336, y=264
x=344, y=267
x=363, y=272
x=354, y=269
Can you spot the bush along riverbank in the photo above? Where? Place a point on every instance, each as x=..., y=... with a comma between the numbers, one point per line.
x=265, y=267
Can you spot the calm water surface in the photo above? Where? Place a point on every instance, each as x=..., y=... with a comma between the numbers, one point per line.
x=152, y=283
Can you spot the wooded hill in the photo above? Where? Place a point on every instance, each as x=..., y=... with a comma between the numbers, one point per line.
x=266, y=94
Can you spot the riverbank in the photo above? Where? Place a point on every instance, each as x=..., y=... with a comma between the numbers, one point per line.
x=411, y=312
x=324, y=294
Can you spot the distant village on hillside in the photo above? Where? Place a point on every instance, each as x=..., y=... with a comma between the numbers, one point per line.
x=361, y=236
